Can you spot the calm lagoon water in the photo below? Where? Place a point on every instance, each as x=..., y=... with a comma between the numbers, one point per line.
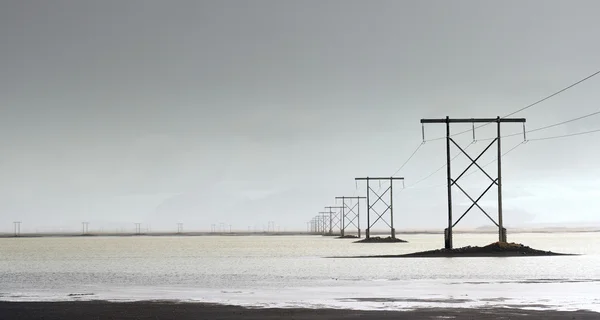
x=293, y=271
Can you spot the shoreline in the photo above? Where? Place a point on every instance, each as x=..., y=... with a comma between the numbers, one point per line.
x=197, y=310
x=242, y=234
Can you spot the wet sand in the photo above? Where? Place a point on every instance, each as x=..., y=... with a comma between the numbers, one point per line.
x=99, y=310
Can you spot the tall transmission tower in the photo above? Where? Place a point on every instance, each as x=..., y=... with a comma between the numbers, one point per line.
x=448, y=242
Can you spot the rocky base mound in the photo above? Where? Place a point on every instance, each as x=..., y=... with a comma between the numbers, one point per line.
x=496, y=249
x=380, y=240
x=348, y=236
x=331, y=235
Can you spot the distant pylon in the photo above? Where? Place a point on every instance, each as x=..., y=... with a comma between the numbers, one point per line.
x=349, y=216
x=17, y=225
x=84, y=228
x=389, y=207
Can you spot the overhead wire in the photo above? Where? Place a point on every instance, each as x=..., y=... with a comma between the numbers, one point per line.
x=564, y=122
x=524, y=131
x=510, y=135
x=529, y=105
x=565, y=135
x=438, y=169
x=409, y=158
x=513, y=148
x=502, y=155
x=554, y=94
x=468, y=174
x=545, y=127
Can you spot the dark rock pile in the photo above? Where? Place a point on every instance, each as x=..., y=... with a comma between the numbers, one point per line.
x=348, y=236
x=496, y=249
x=380, y=240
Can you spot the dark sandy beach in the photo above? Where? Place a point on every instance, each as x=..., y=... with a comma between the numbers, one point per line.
x=99, y=310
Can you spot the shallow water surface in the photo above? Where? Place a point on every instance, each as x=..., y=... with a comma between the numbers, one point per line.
x=291, y=271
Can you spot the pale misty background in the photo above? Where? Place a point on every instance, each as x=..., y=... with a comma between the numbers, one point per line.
x=244, y=112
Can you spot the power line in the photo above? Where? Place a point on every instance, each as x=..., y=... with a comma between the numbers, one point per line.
x=564, y=122
x=514, y=134
x=515, y=147
x=546, y=127
x=428, y=176
x=468, y=174
x=412, y=186
x=505, y=153
x=409, y=158
x=438, y=169
x=528, y=106
x=510, y=135
x=566, y=135
x=555, y=94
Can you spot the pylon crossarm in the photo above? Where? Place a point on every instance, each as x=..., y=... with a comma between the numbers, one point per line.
x=379, y=217
x=379, y=197
x=473, y=162
x=475, y=201
x=472, y=120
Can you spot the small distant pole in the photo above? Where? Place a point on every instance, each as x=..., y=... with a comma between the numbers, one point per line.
x=324, y=221
x=271, y=226
x=84, y=228
x=179, y=227
x=318, y=223
x=17, y=225
x=334, y=220
x=138, y=228
x=213, y=228
x=229, y=228
x=314, y=225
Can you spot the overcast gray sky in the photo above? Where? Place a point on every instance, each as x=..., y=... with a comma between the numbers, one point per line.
x=242, y=112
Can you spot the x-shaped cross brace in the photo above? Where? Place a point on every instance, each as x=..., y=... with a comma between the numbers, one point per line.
x=351, y=210
x=379, y=198
x=455, y=181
